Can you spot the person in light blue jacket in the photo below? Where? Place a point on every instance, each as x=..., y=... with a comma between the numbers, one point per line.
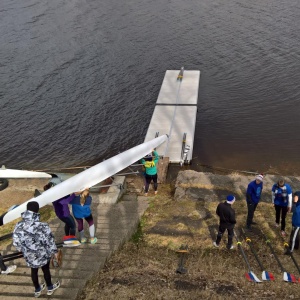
x=150, y=163
x=81, y=208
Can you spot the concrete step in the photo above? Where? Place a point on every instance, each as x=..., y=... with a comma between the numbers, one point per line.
x=115, y=223
x=25, y=292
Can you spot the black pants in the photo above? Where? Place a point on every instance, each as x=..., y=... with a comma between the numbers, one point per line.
x=221, y=231
x=294, y=238
x=2, y=265
x=251, y=209
x=149, y=178
x=47, y=275
x=281, y=210
x=70, y=227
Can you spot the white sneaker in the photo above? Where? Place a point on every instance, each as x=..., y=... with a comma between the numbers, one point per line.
x=38, y=292
x=52, y=288
x=276, y=225
x=9, y=269
x=232, y=247
x=283, y=233
x=215, y=244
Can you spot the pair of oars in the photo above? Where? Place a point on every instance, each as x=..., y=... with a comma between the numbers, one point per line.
x=286, y=276
x=250, y=275
x=268, y=276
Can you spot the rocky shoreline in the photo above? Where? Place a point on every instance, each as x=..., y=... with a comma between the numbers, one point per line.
x=192, y=185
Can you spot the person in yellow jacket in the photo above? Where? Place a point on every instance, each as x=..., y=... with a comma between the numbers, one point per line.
x=150, y=163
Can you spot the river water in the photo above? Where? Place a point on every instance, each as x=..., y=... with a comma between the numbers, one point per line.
x=79, y=79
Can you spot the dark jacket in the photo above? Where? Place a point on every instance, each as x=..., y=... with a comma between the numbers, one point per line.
x=296, y=212
x=254, y=191
x=226, y=214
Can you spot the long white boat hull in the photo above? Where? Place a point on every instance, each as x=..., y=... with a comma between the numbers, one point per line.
x=12, y=173
x=88, y=178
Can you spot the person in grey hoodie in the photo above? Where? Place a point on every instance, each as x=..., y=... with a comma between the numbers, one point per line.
x=36, y=241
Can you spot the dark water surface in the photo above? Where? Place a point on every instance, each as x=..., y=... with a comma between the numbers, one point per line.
x=79, y=79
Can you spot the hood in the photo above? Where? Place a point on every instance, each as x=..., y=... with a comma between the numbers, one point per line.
x=30, y=216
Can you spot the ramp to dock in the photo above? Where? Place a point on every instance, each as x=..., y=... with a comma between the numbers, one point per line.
x=175, y=114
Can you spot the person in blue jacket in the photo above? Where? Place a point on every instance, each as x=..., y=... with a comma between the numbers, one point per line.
x=294, y=237
x=81, y=208
x=282, y=200
x=253, y=195
x=150, y=164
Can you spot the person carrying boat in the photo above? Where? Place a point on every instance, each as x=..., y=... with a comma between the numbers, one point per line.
x=61, y=208
x=36, y=241
x=227, y=221
x=253, y=195
x=81, y=208
x=282, y=201
x=150, y=163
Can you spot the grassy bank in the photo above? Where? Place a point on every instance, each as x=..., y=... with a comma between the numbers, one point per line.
x=145, y=268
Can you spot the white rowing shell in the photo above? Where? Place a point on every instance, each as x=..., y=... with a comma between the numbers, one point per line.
x=11, y=173
x=89, y=177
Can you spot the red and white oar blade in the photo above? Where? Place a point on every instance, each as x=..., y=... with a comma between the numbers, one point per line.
x=289, y=277
x=267, y=276
x=252, y=277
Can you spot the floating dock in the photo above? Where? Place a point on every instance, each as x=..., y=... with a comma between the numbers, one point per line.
x=175, y=114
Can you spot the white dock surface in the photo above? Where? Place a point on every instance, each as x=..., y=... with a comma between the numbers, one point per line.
x=175, y=113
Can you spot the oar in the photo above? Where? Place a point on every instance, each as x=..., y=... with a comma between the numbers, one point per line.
x=250, y=276
x=288, y=251
x=286, y=276
x=265, y=274
x=16, y=255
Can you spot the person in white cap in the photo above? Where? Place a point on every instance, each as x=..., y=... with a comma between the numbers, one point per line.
x=253, y=195
x=227, y=221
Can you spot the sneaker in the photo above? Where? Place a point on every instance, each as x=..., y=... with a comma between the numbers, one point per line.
x=146, y=194
x=283, y=233
x=53, y=287
x=9, y=269
x=276, y=225
x=38, y=292
x=83, y=240
x=215, y=244
x=231, y=247
x=93, y=240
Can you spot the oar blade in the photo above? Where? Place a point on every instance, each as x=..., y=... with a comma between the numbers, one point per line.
x=252, y=277
x=289, y=277
x=267, y=276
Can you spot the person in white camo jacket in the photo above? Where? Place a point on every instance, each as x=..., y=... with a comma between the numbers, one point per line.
x=36, y=241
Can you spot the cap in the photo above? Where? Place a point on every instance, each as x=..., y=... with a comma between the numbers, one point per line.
x=33, y=206
x=259, y=177
x=230, y=199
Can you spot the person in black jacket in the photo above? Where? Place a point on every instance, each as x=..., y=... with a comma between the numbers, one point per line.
x=227, y=221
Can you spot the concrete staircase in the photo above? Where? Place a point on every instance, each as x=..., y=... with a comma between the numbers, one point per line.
x=115, y=224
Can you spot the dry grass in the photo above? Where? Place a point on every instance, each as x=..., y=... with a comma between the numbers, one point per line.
x=145, y=267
